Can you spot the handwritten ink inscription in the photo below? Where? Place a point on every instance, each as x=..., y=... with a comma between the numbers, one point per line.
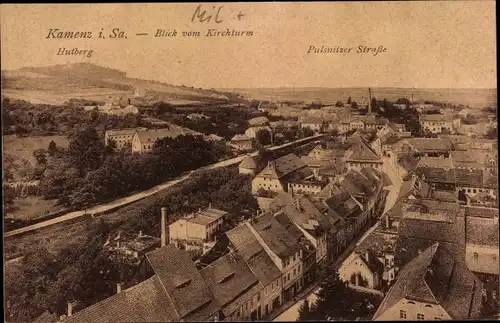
x=201, y=15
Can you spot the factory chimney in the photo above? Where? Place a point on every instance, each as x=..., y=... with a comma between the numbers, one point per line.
x=163, y=226
x=369, y=100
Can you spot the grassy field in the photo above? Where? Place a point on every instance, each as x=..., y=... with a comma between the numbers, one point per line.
x=31, y=207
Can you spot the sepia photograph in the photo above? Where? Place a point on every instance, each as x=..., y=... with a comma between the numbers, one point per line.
x=231, y=161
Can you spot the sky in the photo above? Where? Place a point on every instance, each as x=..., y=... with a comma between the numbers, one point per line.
x=448, y=44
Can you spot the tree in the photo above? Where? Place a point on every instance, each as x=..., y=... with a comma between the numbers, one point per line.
x=354, y=105
x=492, y=133
x=86, y=150
x=52, y=148
x=304, y=311
x=307, y=132
x=374, y=104
x=40, y=156
x=349, y=100
x=339, y=104
x=334, y=298
x=263, y=137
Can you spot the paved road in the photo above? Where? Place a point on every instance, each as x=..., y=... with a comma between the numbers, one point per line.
x=140, y=195
x=291, y=314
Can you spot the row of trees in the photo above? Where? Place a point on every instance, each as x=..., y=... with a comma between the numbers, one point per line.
x=90, y=173
x=26, y=119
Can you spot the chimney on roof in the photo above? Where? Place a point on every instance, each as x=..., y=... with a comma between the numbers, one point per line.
x=163, y=225
x=140, y=234
x=70, y=309
x=118, y=244
x=387, y=222
x=118, y=288
x=367, y=255
x=210, y=206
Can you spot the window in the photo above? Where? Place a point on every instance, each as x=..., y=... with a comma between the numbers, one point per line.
x=294, y=271
x=288, y=277
x=420, y=316
x=436, y=318
x=402, y=314
x=475, y=256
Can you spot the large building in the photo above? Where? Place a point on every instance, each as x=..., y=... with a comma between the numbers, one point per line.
x=278, y=173
x=144, y=140
x=436, y=123
x=198, y=230
x=121, y=137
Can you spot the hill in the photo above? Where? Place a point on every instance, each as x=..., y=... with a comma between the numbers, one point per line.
x=58, y=83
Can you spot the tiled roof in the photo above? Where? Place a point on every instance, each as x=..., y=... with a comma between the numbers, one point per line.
x=415, y=234
x=435, y=162
x=258, y=121
x=123, y=132
x=181, y=280
x=481, y=231
x=437, y=175
x=206, y=216
x=279, y=239
x=481, y=212
x=304, y=212
x=249, y=162
x=434, y=117
x=145, y=302
x=173, y=131
x=253, y=253
x=282, y=166
x=362, y=152
x=408, y=162
x=469, y=177
x=46, y=317
x=427, y=144
x=239, y=137
x=435, y=276
x=229, y=280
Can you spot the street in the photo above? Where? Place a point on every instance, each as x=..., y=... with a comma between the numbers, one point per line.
x=291, y=310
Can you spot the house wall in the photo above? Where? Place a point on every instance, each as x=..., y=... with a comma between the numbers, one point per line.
x=482, y=259
x=304, y=188
x=183, y=229
x=267, y=184
x=359, y=165
x=473, y=191
x=407, y=309
x=354, y=265
x=436, y=126
x=120, y=139
x=316, y=127
x=242, y=145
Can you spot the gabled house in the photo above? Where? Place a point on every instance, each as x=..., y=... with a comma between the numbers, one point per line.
x=144, y=140
x=278, y=173
x=361, y=155
x=434, y=285
x=242, y=142
x=364, y=270
x=436, y=123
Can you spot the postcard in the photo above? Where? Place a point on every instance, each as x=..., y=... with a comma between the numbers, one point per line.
x=231, y=161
